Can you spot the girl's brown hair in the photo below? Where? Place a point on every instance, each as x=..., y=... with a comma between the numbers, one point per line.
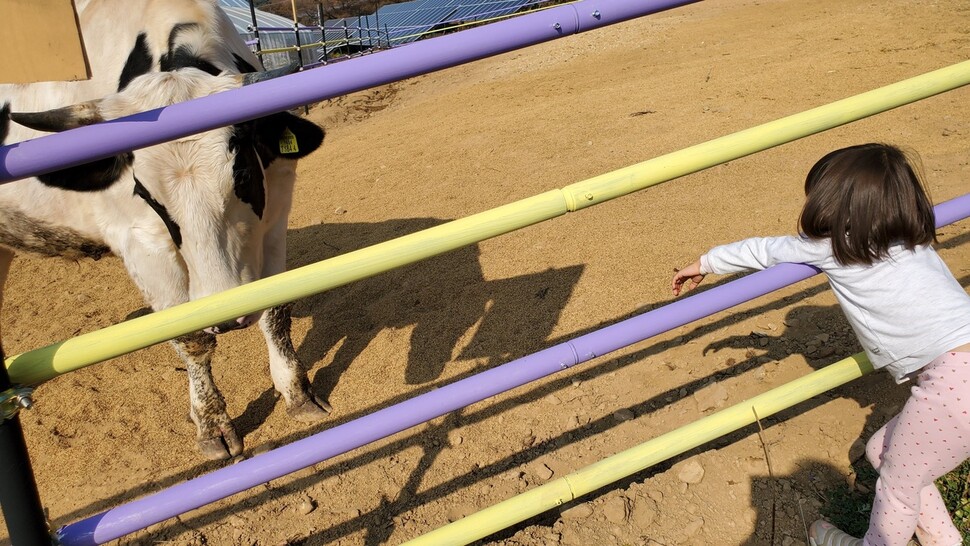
x=866, y=198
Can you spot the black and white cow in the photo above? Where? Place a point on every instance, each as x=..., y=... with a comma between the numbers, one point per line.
x=188, y=218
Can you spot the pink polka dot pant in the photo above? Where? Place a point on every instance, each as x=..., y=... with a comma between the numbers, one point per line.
x=929, y=438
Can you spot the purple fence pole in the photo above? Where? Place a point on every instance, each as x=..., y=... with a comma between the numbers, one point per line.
x=290, y=458
x=53, y=152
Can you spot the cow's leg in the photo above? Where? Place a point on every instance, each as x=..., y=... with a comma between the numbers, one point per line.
x=217, y=437
x=162, y=279
x=289, y=376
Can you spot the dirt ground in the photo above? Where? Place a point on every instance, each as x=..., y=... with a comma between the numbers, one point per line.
x=431, y=149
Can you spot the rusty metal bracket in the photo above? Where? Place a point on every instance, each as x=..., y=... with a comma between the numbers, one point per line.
x=13, y=400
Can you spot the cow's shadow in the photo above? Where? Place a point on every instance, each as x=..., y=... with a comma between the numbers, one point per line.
x=451, y=310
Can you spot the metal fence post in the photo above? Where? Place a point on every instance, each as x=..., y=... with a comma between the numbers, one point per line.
x=19, y=499
x=252, y=13
x=321, y=17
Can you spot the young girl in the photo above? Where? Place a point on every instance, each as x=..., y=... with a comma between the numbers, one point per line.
x=868, y=224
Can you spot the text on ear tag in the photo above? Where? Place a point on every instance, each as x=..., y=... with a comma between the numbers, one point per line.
x=288, y=144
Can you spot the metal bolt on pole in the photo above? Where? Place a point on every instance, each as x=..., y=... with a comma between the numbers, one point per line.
x=252, y=13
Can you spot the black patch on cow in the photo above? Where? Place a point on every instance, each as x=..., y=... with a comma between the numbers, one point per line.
x=242, y=65
x=279, y=322
x=21, y=232
x=182, y=56
x=196, y=346
x=173, y=228
x=139, y=62
x=94, y=176
x=4, y=122
x=247, y=170
x=257, y=144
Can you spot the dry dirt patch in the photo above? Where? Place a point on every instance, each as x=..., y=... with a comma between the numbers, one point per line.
x=431, y=149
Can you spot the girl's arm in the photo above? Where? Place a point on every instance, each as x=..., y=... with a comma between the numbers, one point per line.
x=763, y=252
x=750, y=254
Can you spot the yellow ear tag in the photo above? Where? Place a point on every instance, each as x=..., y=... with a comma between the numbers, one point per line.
x=288, y=144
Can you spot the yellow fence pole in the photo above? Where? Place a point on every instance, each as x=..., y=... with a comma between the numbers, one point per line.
x=774, y=133
x=45, y=363
x=48, y=362
x=606, y=471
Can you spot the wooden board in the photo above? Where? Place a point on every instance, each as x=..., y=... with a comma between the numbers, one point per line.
x=40, y=40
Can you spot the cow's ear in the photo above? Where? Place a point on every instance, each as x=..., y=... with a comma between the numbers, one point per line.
x=288, y=136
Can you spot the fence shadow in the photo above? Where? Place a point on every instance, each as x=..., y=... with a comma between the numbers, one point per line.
x=433, y=440
x=779, y=501
x=440, y=299
x=376, y=521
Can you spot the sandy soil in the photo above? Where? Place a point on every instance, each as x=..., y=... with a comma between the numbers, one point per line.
x=428, y=150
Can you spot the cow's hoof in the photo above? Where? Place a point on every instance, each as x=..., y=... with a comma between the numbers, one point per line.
x=223, y=447
x=311, y=411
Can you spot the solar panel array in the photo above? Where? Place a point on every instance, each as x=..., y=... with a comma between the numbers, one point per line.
x=242, y=19
x=234, y=3
x=408, y=21
x=391, y=25
x=487, y=10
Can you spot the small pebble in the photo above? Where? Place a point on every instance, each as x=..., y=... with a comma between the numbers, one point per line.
x=624, y=415
x=306, y=506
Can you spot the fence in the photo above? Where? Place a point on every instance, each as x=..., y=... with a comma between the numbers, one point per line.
x=85, y=144
x=48, y=362
x=37, y=366
x=330, y=443
x=18, y=498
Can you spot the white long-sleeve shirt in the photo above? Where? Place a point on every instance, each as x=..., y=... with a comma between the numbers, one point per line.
x=906, y=309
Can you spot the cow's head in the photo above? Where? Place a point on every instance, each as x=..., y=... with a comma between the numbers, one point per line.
x=211, y=191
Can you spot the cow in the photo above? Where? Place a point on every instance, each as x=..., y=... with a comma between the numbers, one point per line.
x=188, y=218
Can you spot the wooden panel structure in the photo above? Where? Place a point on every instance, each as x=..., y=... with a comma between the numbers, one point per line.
x=40, y=40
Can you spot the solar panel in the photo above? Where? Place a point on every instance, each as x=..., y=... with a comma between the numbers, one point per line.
x=408, y=21
x=391, y=25
x=400, y=6
x=241, y=18
x=234, y=3
x=481, y=11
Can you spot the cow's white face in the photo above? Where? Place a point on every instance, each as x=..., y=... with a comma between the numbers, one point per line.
x=206, y=193
x=217, y=233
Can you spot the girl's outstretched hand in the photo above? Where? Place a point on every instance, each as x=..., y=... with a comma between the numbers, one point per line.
x=687, y=278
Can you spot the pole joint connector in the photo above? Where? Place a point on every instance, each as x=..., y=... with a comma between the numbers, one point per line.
x=13, y=400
